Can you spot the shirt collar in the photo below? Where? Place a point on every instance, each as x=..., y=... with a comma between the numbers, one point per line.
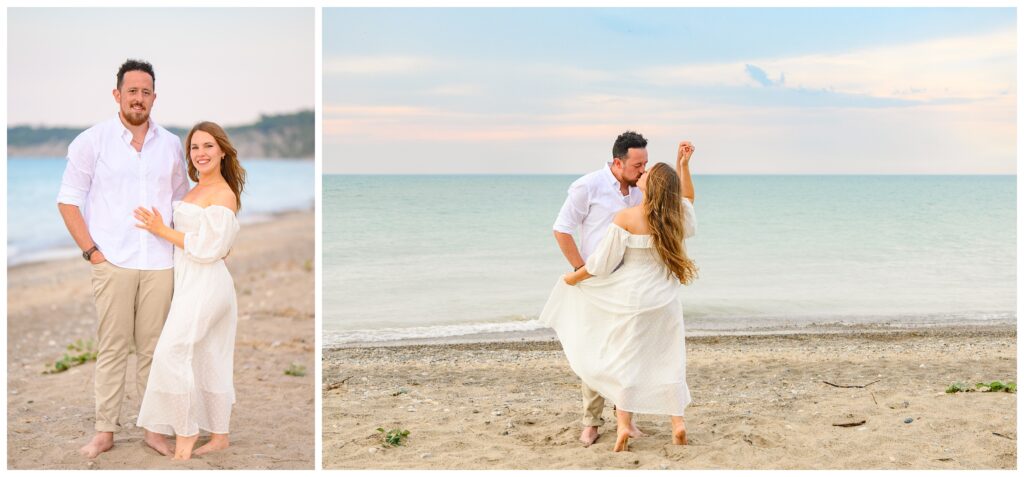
x=610, y=179
x=127, y=135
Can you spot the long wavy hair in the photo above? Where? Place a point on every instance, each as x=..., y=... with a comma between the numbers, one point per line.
x=230, y=168
x=665, y=219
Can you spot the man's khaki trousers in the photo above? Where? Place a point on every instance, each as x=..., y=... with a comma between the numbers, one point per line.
x=132, y=306
x=593, y=407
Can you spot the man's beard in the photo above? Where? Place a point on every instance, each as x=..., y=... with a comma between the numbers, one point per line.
x=136, y=118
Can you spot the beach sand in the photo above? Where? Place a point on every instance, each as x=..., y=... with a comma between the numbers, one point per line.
x=759, y=402
x=50, y=305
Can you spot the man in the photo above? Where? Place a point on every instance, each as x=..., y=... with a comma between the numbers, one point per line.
x=593, y=201
x=113, y=167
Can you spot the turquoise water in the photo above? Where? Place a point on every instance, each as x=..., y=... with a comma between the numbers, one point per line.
x=428, y=256
x=35, y=230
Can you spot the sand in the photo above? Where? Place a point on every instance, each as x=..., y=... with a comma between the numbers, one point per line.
x=272, y=426
x=760, y=402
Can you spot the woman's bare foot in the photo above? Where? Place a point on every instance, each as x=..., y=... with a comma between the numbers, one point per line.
x=634, y=431
x=99, y=444
x=622, y=442
x=158, y=443
x=623, y=429
x=678, y=431
x=183, y=447
x=217, y=442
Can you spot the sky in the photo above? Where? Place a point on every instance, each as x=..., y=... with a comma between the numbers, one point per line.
x=757, y=91
x=218, y=64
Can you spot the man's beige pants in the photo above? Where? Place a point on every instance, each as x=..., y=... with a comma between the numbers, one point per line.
x=132, y=306
x=593, y=407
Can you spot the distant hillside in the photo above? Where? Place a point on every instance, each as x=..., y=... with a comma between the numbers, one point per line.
x=273, y=136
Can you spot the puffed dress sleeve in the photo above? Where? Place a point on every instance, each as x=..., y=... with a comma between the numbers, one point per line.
x=609, y=253
x=218, y=228
x=689, y=219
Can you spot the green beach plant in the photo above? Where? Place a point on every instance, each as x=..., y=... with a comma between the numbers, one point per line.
x=81, y=352
x=997, y=386
x=295, y=369
x=993, y=387
x=393, y=437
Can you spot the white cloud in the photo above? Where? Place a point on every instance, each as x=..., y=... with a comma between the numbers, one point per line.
x=970, y=67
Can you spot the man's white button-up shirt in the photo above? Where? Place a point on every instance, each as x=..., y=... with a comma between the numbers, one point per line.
x=593, y=201
x=107, y=179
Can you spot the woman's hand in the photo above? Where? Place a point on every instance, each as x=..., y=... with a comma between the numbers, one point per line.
x=684, y=153
x=570, y=279
x=150, y=220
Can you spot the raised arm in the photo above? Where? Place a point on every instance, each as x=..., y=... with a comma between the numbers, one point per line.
x=683, y=169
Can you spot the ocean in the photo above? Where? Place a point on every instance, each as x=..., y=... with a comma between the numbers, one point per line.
x=442, y=256
x=35, y=230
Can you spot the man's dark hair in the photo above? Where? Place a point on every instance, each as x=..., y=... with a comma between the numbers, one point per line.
x=625, y=141
x=135, y=65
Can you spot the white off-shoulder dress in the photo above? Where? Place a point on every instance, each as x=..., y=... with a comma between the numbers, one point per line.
x=190, y=385
x=622, y=330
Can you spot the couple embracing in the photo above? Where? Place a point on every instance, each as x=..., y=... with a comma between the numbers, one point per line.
x=159, y=280
x=618, y=314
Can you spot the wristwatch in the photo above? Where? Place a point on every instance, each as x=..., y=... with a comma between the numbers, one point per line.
x=87, y=255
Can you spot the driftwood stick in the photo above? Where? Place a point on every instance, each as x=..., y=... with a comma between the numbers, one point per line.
x=333, y=386
x=852, y=385
x=850, y=424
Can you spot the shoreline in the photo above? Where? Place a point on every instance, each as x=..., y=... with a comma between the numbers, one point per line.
x=810, y=328
x=70, y=251
x=760, y=401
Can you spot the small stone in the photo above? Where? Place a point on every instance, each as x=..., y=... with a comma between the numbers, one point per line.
x=372, y=450
x=496, y=413
x=908, y=420
x=426, y=455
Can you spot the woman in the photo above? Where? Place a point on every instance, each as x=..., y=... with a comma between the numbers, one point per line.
x=623, y=332
x=190, y=384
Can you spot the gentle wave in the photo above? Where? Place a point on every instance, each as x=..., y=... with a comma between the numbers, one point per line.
x=427, y=332
x=694, y=326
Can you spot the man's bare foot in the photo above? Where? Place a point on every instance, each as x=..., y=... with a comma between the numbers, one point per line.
x=622, y=442
x=158, y=443
x=99, y=444
x=589, y=435
x=634, y=431
x=183, y=447
x=217, y=442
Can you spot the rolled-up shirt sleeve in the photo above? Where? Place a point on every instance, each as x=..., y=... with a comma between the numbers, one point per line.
x=77, y=180
x=574, y=209
x=218, y=228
